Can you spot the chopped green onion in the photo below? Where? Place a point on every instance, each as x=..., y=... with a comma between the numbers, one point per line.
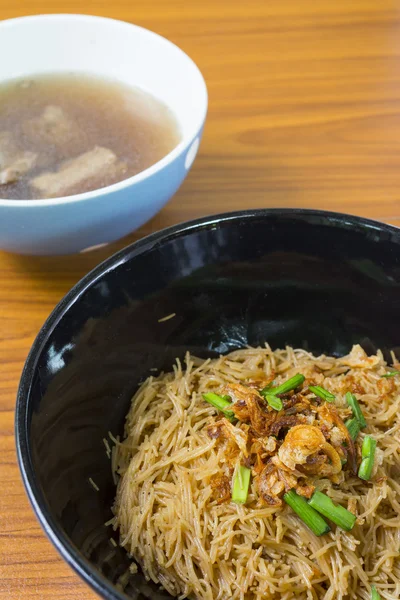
x=374, y=594
x=307, y=514
x=355, y=407
x=220, y=402
x=336, y=513
x=240, y=486
x=354, y=428
x=287, y=386
x=273, y=401
x=322, y=393
x=391, y=374
x=268, y=387
x=368, y=456
x=368, y=447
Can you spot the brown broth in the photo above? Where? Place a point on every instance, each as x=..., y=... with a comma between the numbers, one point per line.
x=49, y=119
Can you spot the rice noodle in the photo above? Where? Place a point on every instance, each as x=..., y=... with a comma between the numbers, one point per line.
x=183, y=539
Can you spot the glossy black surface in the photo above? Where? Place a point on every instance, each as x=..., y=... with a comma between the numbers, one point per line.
x=318, y=280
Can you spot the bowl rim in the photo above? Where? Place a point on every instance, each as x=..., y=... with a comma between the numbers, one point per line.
x=100, y=584
x=179, y=149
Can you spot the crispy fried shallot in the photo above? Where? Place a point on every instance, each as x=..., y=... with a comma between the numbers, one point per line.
x=286, y=449
x=301, y=443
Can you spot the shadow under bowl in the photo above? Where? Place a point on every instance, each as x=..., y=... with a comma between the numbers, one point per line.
x=316, y=280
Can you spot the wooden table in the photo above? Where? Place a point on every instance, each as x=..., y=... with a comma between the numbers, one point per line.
x=304, y=112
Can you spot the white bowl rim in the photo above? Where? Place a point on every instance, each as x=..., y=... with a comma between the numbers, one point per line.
x=120, y=185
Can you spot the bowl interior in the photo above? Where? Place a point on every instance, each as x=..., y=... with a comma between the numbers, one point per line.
x=110, y=49
x=309, y=279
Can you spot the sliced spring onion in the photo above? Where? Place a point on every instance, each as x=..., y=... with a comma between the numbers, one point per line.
x=220, y=402
x=365, y=469
x=368, y=447
x=336, y=513
x=287, y=386
x=355, y=407
x=354, y=428
x=322, y=393
x=240, y=485
x=368, y=456
x=307, y=514
x=273, y=401
x=391, y=373
x=374, y=594
x=268, y=387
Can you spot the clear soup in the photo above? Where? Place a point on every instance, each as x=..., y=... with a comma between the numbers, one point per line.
x=66, y=134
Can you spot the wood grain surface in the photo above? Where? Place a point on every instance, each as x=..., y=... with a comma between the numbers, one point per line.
x=304, y=112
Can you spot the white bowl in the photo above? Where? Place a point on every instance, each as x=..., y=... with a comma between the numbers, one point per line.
x=114, y=50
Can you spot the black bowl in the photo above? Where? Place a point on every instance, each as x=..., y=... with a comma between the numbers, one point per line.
x=317, y=280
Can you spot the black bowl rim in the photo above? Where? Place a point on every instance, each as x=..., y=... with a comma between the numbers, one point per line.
x=100, y=584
